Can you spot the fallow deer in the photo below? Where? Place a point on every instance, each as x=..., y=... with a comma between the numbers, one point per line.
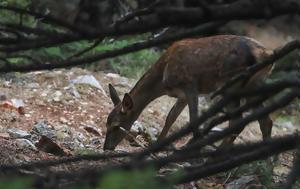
x=188, y=68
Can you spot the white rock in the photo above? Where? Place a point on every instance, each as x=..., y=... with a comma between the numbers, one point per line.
x=217, y=129
x=89, y=80
x=63, y=120
x=25, y=143
x=288, y=125
x=57, y=95
x=137, y=127
x=73, y=90
x=113, y=75
x=17, y=102
x=242, y=182
x=33, y=85
x=153, y=132
x=17, y=133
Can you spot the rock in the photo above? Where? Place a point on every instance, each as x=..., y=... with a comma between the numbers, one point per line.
x=27, y=115
x=89, y=80
x=117, y=80
x=137, y=127
x=288, y=125
x=44, y=94
x=124, y=83
x=216, y=129
x=113, y=76
x=63, y=132
x=43, y=129
x=96, y=141
x=243, y=183
x=63, y=120
x=33, y=85
x=17, y=133
x=2, y=97
x=57, y=96
x=79, y=137
x=72, y=89
x=7, y=84
x=19, y=105
x=152, y=133
x=25, y=143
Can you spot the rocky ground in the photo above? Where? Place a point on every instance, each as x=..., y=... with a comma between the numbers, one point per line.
x=48, y=114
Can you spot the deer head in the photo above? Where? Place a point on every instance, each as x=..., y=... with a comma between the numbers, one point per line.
x=120, y=118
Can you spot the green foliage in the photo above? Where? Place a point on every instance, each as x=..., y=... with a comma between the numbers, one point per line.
x=130, y=65
x=132, y=180
x=12, y=17
x=134, y=64
x=16, y=183
x=84, y=151
x=19, y=3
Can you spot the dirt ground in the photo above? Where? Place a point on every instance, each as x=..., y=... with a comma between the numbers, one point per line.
x=76, y=115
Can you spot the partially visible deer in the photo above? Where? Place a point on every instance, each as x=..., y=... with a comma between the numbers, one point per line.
x=188, y=68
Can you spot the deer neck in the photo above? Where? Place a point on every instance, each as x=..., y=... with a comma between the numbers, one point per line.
x=148, y=88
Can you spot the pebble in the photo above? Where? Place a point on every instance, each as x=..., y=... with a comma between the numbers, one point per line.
x=25, y=143
x=42, y=128
x=137, y=127
x=17, y=133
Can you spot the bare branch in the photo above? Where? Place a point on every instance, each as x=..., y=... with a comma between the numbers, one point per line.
x=112, y=53
x=295, y=172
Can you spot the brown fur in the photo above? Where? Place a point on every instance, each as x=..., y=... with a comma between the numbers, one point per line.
x=188, y=68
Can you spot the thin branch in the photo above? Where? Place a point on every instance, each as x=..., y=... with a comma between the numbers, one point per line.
x=83, y=51
x=242, y=122
x=165, y=17
x=215, y=108
x=48, y=163
x=137, y=13
x=230, y=115
x=30, y=30
x=30, y=58
x=112, y=53
x=288, y=143
x=244, y=154
x=48, y=18
x=294, y=173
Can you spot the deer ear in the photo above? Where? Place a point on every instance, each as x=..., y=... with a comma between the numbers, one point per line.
x=114, y=95
x=127, y=103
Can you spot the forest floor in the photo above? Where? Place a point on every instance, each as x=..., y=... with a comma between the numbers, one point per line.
x=72, y=116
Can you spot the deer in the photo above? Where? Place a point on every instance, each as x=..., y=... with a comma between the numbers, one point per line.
x=187, y=69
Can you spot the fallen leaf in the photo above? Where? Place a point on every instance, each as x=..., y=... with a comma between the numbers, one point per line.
x=48, y=145
x=92, y=131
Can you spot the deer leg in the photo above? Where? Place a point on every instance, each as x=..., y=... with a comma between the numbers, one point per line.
x=229, y=140
x=265, y=125
x=192, y=101
x=172, y=116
